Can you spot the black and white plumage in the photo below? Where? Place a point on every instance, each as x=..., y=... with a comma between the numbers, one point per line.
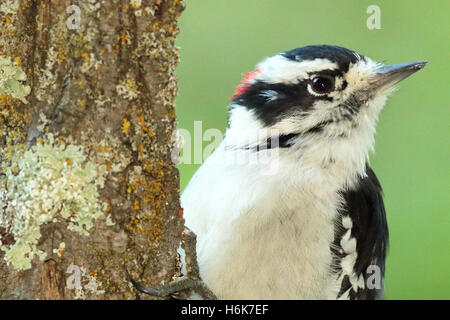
x=360, y=229
x=287, y=207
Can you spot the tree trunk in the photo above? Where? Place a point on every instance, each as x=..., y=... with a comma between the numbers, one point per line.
x=89, y=196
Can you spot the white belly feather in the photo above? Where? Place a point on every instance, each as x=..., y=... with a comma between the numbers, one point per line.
x=265, y=236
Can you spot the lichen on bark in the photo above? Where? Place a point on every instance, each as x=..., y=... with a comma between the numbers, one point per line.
x=90, y=151
x=47, y=182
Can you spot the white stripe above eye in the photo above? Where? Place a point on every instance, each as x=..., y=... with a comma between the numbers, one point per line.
x=279, y=69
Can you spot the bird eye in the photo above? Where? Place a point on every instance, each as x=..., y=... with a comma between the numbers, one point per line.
x=322, y=84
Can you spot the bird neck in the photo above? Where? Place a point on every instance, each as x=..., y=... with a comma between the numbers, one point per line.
x=328, y=157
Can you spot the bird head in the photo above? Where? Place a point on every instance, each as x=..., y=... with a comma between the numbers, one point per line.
x=314, y=94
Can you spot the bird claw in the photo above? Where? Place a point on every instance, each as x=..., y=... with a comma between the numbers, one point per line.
x=176, y=287
x=191, y=281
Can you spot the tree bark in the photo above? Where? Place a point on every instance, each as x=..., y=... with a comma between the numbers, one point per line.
x=89, y=194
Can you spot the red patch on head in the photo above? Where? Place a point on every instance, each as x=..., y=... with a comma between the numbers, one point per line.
x=245, y=83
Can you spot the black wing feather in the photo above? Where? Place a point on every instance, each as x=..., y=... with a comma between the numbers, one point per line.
x=364, y=205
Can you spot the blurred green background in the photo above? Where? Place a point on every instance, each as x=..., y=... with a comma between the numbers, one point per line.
x=221, y=39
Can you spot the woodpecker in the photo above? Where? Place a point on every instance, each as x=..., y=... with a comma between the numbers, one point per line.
x=287, y=206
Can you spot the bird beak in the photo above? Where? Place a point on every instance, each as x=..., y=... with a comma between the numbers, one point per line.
x=387, y=76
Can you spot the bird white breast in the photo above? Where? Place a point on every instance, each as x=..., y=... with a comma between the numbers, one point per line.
x=264, y=234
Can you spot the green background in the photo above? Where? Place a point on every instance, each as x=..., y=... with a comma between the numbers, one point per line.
x=221, y=39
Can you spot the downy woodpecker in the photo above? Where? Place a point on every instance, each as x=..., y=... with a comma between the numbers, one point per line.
x=287, y=206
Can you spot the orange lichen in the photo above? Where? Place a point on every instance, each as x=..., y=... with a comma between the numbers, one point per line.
x=148, y=221
x=136, y=205
x=135, y=5
x=131, y=84
x=134, y=185
x=156, y=26
x=3, y=98
x=12, y=124
x=123, y=39
x=174, y=29
x=144, y=126
x=125, y=126
x=61, y=55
